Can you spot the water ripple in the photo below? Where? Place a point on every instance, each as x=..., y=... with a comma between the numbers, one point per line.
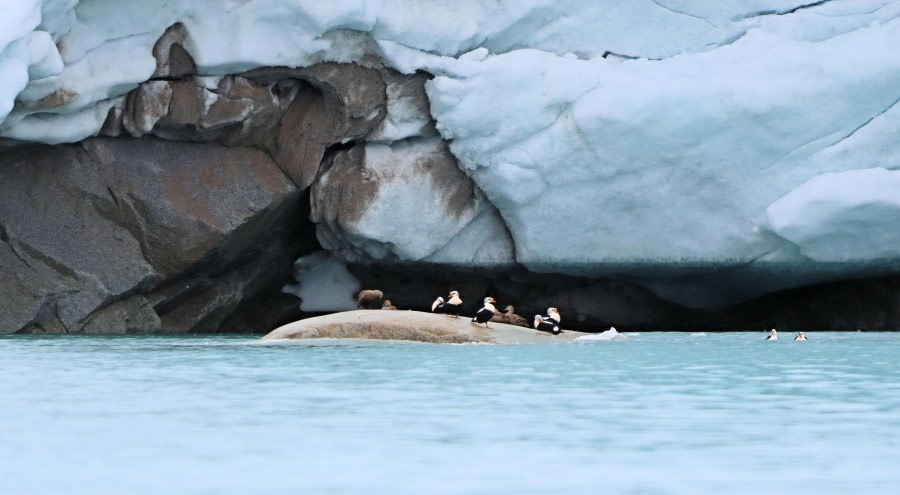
x=656, y=413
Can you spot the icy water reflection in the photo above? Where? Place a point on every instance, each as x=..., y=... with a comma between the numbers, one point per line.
x=657, y=413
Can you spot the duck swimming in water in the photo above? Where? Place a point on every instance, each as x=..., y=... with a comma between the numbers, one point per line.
x=773, y=335
x=800, y=336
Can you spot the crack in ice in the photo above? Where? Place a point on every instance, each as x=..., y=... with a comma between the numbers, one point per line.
x=679, y=12
x=854, y=131
x=764, y=13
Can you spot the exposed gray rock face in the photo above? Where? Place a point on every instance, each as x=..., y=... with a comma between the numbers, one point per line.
x=172, y=59
x=335, y=103
x=124, y=235
x=292, y=114
x=191, y=231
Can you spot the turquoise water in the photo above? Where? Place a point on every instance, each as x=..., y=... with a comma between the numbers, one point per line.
x=661, y=413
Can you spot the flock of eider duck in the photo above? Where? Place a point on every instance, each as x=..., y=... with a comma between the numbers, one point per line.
x=369, y=299
x=773, y=335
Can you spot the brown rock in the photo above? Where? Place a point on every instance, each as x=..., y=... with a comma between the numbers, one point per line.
x=145, y=106
x=126, y=235
x=172, y=59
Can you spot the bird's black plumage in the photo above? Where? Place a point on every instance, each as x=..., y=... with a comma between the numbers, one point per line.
x=547, y=324
x=484, y=314
x=449, y=307
x=452, y=309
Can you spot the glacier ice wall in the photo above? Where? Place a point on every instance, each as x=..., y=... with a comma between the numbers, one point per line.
x=607, y=136
x=669, y=160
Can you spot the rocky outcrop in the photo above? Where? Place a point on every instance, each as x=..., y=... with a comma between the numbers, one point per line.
x=410, y=325
x=292, y=114
x=134, y=235
x=188, y=214
x=384, y=184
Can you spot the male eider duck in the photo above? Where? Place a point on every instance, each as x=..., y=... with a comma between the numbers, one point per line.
x=549, y=323
x=510, y=317
x=800, y=336
x=773, y=335
x=450, y=307
x=484, y=314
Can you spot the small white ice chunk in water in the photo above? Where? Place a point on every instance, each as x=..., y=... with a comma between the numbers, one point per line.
x=611, y=334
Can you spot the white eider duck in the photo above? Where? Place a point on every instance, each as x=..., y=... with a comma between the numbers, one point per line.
x=450, y=307
x=437, y=305
x=773, y=335
x=549, y=323
x=800, y=336
x=484, y=314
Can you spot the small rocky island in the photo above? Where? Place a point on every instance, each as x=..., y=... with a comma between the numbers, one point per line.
x=414, y=326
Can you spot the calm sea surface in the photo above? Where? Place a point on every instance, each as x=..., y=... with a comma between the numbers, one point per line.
x=657, y=413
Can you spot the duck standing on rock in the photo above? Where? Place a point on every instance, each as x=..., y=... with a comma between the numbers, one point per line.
x=549, y=323
x=510, y=317
x=450, y=307
x=485, y=314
